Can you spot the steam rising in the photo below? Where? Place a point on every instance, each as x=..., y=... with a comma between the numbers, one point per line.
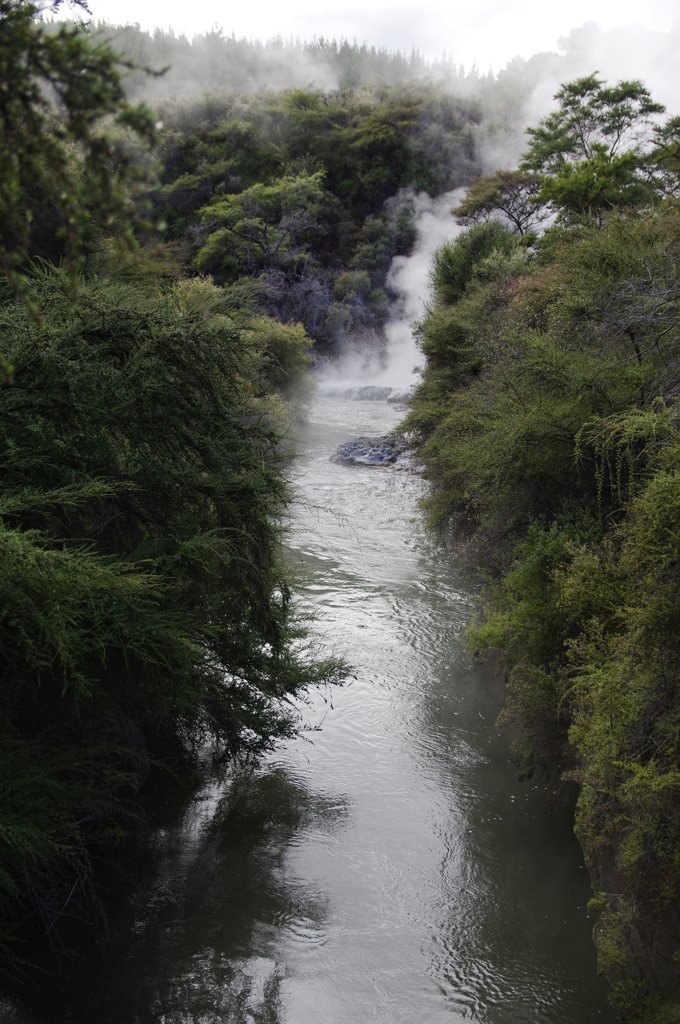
x=518, y=96
x=524, y=90
x=396, y=365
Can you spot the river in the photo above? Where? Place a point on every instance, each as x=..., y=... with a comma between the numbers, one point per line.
x=385, y=867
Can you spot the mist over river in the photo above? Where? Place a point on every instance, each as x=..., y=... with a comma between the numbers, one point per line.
x=385, y=867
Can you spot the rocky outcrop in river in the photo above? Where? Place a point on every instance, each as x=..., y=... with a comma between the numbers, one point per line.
x=368, y=393
x=386, y=450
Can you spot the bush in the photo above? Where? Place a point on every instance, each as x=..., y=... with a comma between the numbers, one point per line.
x=144, y=608
x=454, y=263
x=548, y=424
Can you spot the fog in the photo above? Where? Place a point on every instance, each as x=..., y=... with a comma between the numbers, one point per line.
x=488, y=33
x=523, y=91
x=519, y=95
x=395, y=366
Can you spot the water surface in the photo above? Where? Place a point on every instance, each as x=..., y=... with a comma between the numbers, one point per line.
x=386, y=867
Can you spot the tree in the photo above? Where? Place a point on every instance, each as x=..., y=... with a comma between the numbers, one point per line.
x=454, y=263
x=593, y=150
x=263, y=227
x=592, y=120
x=144, y=605
x=665, y=157
x=511, y=193
x=593, y=186
x=56, y=160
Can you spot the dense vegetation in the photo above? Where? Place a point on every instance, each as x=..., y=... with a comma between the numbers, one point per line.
x=158, y=312
x=215, y=61
x=548, y=423
x=300, y=200
x=145, y=614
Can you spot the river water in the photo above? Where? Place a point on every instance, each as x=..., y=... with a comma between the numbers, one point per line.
x=386, y=867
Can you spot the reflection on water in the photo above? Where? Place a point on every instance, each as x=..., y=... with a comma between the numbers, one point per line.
x=387, y=868
x=196, y=943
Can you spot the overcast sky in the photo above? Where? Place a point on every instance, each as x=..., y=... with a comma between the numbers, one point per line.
x=489, y=32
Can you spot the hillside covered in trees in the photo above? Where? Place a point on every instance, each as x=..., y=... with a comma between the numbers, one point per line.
x=548, y=423
x=298, y=201
x=169, y=275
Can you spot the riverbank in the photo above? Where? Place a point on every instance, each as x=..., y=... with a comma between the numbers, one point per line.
x=385, y=866
x=547, y=422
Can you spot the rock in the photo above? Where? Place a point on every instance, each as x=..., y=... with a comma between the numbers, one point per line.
x=367, y=393
x=370, y=393
x=400, y=396
x=373, y=451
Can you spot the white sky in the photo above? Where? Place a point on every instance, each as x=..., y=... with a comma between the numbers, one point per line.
x=489, y=32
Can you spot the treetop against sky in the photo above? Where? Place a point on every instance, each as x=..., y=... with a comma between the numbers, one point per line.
x=490, y=32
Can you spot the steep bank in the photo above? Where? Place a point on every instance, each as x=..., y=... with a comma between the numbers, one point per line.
x=548, y=426
x=385, y=866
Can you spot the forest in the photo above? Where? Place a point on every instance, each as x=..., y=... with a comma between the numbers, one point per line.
x=167, y=277
x=547, y=420
x=170, y=271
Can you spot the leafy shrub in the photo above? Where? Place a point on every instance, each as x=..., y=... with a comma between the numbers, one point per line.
x=144, y=608
x=454, y=263
x=548, y=424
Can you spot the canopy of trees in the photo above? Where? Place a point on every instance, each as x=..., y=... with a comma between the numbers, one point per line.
x=603, y=148
x=548, y=424
x=145, y=612
x=513, y=194
x=282, y=194
x=58, y=169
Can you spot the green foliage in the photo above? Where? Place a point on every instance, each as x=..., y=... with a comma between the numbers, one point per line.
x=665, y=157
x=280, y=354
x=593, y=152
x=263, y=227
x=548, y=425
x=626, y=732
x=593, y=119
x=382, y=237
x=352, y=283
x=143, y=604
x=454, y=263
x=601, y=183
x=511, y=193
x=59, y=169
x=283, y=193
x=528, y=626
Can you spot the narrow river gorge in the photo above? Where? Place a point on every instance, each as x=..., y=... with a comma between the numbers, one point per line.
x=387, y=867
x=326, y=366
